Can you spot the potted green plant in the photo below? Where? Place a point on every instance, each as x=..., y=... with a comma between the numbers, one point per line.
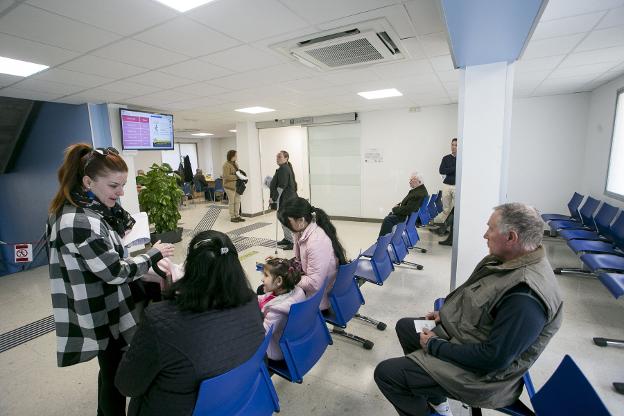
x=160, y=198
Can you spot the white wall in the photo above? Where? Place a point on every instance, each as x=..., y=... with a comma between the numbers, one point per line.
x=598, y=140
x=547, y=147
x=409, y=141
x=220, y=147
x=146, y=158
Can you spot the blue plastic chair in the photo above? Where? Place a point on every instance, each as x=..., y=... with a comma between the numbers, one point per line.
x=378, y=267
x=304, y=340
x=573, y=206
x=614, y=282
x=411, y=236
x=219, y=188
x=345, y=299
x=244, y=390
x=432, y=205
x=397, y=250
x=423, y=214
x=587, y=218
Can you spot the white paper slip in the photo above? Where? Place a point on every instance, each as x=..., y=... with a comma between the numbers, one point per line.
x=140, y=232
x=420, y=324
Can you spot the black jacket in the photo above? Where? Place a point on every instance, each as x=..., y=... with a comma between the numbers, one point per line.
x=447, y=167
x=241, y=184
x=411, y=202
x=284, y=178
x=172, y=352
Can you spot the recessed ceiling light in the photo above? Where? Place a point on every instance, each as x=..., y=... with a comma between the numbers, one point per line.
x=183, y=5
x=202, y=134
x=254, y=110
x=232, y=131
x=373, y=95
x=19, y=68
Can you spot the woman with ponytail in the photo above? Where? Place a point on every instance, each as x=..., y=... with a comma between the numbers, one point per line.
x=283, y=187
x=209, y=323
x=316, y=245
x=94, y=312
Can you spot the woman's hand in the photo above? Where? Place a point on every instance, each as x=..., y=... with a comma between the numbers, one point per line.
x=165, y=249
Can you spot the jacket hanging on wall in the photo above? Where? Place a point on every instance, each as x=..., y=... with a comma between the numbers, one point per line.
x=188, y=169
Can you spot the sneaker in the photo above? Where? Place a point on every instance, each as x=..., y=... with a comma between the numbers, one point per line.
x=286, y=247
x=442, y=409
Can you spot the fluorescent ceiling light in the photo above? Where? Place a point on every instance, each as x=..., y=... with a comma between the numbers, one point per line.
x=254, y=110
x=373, y=95
x=19, y=68
x=232, y=131
x=202, y=134
x=183, y=5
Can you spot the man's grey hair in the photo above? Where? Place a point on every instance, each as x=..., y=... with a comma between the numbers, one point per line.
x=417, y=175
x=524, y=220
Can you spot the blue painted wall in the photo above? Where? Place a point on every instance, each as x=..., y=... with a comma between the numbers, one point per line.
x=27, y=190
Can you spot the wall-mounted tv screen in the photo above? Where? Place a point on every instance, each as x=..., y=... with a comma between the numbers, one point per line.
x=146, y=131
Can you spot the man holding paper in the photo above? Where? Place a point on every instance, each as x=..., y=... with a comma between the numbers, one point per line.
x=489, y=331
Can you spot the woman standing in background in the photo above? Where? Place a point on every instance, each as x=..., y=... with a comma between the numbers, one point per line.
x=230, y=167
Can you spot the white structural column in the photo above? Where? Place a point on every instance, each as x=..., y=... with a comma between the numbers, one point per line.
x=248, y=151
x=484, y=118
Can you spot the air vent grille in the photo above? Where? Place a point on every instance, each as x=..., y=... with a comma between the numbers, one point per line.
x=348, y=53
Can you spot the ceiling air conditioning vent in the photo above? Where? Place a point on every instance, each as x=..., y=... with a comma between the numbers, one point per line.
x=364, y=43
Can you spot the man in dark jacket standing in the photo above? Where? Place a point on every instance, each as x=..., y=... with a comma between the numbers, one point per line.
x=409, y=204
x=447, y=168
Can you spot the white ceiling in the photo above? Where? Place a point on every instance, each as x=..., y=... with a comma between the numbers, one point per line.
x=203, y=64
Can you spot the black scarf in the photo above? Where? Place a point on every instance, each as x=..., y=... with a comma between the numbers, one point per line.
x=116, y=217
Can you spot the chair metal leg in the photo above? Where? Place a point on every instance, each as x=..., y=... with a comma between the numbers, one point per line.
x=420, y=249
x=571, y=270
x=409, y=263
x=380, y=325
x=608, y=342
x=366, y=344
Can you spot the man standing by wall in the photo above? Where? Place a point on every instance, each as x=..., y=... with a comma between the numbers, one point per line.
x=447, y=168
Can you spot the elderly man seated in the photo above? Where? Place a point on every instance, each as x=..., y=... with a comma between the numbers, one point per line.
x=489, y=331
x=412, y=202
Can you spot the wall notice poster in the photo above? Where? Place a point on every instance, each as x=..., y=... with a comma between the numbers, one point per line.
x=23, y=253
x=373, y=155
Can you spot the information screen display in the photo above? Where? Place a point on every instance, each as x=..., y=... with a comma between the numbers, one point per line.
x=146, y=131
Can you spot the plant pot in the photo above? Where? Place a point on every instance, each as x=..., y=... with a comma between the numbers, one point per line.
x=167, y=237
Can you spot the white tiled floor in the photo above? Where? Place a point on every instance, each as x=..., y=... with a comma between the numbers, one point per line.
x=341, y=383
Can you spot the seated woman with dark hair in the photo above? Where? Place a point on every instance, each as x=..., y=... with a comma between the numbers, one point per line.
x=209, y=323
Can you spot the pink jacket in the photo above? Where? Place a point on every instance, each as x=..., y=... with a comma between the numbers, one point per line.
x=275, y=314
x=175, y=271
x=314, y=250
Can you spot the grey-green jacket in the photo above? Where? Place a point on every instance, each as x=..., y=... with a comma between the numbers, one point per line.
x=466, y=318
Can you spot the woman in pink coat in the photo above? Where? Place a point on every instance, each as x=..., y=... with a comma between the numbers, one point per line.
x=316, y=245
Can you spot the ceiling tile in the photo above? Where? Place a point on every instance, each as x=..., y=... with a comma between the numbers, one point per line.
x=442, y=63
x=603, y=38
x=325, y=10
x=539, y=64
x=186, y=36
x=306, y=84
x=97, y=95
x=552, y=46
x=167, y=96
x=414, y=50
x=72, y=77
x=243, y=58
x=566, y=26
x=38, y=25
x=557, y=9
x=196, y=70
x=395, y=15
x=404, y=69
x=614, y=55
x=131, y=89
x=445, y=76
x=201, y=89
x=615, y=17
x=350, y=76
x=426, y=16
x=140, y=54
x=89, y=64
x=582, y=70
x=159, y=80
x=532, y=76
x=260, y=19
x=435, y=44
x=6, y=79
x=27, y=94
x=48, y=87
x=119, y=16
x=26, y=50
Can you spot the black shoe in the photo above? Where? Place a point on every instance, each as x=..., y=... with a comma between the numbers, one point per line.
x=442, y=230
x=234, y=220
x=286, y=247
x=447, y=242
x=240, y=219
x=283, y=242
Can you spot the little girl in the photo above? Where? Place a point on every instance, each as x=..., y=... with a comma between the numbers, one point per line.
x=280, y=291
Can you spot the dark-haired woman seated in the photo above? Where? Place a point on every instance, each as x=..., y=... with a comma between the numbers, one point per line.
x=209, y=324
x=316, y=245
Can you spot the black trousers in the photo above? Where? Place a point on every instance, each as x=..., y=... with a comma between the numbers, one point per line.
x=403, y=382
x=110, y=401
x=390, y=221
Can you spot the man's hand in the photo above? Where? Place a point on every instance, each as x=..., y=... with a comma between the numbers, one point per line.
x=435, y=315
x=425, y=335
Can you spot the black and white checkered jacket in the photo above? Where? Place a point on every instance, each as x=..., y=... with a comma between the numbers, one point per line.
x=89, y=277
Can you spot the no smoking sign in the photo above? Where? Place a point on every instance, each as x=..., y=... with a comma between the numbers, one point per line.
x=23, y=253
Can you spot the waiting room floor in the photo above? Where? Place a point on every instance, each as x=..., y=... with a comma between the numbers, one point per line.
x=342, y=381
